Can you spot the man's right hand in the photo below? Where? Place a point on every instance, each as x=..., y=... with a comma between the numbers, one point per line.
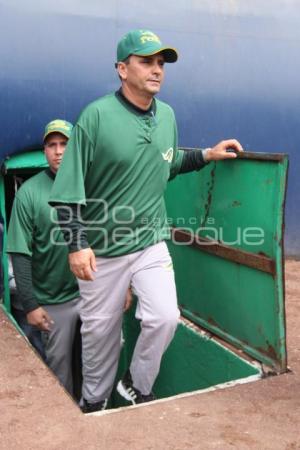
x=40, y=319
x=83, y=263
x=220, y=151
x=128, y=300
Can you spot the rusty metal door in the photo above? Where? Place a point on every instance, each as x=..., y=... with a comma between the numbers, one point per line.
x=227, y=248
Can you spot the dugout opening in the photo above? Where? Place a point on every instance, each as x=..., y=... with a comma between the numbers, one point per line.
x=195, y=360
x=231, y=297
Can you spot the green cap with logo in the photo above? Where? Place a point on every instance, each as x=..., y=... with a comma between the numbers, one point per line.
x=58, y=126
x=144, y=43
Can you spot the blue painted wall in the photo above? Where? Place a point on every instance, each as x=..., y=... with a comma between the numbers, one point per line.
x=237, y=76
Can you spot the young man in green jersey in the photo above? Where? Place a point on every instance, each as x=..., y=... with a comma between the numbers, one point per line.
x=46, y=287
x=121, y=154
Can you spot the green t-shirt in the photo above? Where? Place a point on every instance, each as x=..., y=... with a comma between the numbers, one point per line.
x=117, y=164
x=34, y=231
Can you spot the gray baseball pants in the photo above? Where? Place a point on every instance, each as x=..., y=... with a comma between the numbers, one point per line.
x=151, y=276
x=59, y=341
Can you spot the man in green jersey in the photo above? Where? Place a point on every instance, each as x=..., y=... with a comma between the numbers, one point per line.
x=110, y=192
x=47, y=288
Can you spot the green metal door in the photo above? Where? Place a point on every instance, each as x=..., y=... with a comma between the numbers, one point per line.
x=227, y=248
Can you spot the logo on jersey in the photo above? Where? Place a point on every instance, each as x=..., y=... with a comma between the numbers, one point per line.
x=168, y=155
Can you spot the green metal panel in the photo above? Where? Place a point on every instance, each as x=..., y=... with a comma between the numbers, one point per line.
x=4, y=259
x=228, y=255
x=26, y=160
x=194, y=362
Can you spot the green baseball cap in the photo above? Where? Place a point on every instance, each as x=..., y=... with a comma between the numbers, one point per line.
x=58, y=126
x=144, y=43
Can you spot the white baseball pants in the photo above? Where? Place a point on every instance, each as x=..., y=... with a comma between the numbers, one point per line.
x=59, y=341
x=151, y=276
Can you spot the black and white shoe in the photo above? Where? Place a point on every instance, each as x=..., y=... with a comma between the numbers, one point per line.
x=126, y=389
x=87, y=407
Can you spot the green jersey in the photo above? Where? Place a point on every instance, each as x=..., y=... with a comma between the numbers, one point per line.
x=34, y=231
x=116, y=165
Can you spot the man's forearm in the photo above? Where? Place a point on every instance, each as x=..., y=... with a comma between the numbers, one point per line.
x=22, y=266
x=193, y=160
x=72, y=228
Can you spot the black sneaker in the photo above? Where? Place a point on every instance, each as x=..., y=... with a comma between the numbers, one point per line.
x=126, y=389
x=87, y=408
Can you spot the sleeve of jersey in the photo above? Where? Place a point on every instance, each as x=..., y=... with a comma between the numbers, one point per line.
x=177, y=154
x=69, y=184
x=20, y=231
x=22, y=266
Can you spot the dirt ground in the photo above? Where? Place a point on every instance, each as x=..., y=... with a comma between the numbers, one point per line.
x=37, y=414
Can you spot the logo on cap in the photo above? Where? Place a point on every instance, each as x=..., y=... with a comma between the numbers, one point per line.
x=148, y=36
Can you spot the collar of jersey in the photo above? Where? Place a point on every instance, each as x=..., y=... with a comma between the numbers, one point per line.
x=133, y=108
x=50, y=173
